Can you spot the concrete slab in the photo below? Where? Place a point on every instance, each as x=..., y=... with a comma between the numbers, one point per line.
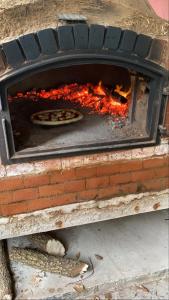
x=82, y=213
x=134, y=264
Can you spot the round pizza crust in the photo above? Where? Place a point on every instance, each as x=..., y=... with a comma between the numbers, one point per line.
x=56, y=117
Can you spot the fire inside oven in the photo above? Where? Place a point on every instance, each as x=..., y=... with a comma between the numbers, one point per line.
x=76, y=106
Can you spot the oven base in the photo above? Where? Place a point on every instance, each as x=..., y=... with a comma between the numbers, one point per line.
x=123, y=272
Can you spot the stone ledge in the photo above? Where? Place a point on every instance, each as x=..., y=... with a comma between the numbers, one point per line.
x=82, y=213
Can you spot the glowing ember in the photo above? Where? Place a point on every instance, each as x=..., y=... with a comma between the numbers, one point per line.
x=98, y=98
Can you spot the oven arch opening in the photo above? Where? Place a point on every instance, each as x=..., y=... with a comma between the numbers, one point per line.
x=133, y=70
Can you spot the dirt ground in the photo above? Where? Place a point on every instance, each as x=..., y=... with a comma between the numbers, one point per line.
x=18, y=17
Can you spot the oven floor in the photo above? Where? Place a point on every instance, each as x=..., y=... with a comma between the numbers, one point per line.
x=28, y=135
x=93, y=128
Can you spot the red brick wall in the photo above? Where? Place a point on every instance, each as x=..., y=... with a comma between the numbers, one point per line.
x=19, y=194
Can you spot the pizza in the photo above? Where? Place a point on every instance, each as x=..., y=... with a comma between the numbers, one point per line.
x=56, y=117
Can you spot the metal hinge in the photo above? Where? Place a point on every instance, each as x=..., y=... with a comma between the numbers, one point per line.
x=5, y=138
x=0, y=103
x=166, y=91
x=162, y=130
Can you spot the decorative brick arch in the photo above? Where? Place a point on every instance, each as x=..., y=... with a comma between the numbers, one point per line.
x=48, y=44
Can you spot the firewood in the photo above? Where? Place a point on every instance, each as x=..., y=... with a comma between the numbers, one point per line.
x=5, y=278
x=46, y=243
x=48, y=263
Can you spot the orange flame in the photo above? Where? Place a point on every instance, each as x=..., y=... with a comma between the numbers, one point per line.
x=98, y=98
x=122, y=93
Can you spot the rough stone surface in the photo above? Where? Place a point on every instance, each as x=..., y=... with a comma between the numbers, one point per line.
x=20, y=17
x=129, y=258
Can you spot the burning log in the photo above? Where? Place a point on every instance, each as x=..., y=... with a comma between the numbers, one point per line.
x=48, y=263
x=46, y=243
x=5, y=278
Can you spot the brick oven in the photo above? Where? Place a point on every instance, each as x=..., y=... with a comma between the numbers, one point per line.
x=114, y=160
x=111, y=80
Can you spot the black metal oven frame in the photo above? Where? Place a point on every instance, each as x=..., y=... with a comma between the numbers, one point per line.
x=158, y=77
